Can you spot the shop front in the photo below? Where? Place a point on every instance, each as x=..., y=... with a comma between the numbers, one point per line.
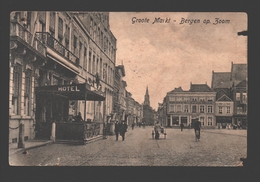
x=52, y=106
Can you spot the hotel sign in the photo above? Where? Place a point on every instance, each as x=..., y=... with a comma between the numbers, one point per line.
x=73, y=88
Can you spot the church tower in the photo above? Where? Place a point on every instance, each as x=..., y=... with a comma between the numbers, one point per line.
x=147, y=97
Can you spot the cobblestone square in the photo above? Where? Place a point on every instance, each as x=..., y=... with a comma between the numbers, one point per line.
x=218, y=147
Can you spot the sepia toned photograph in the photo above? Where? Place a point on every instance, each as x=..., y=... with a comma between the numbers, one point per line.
x=128, y=88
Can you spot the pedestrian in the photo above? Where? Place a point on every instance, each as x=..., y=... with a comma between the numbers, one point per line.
x=133, y=125
x=117, y=129
x=123, y=129
x=78, y=118
x=157, y=128
x=182, y=126
x=197, y=128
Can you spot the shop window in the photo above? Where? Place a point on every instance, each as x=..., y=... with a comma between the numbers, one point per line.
x=202, y=121
x=210, y=122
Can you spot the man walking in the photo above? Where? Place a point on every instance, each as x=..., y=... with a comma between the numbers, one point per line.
x=123, y=129
x=197, y=127
x=117, y=129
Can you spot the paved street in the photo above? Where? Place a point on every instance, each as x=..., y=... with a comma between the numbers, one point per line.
x=216, y=148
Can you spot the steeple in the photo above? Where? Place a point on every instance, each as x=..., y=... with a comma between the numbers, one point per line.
x=146, y=91
x=147, y=97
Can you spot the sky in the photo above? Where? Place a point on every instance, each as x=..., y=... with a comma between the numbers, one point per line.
x=164, y=56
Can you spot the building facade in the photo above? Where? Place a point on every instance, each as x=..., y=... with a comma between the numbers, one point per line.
x=59, y=49
x=185, y=106
x=234, y=85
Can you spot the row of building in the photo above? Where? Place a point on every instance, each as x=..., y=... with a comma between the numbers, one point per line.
x=63, y=63
x=224, y=103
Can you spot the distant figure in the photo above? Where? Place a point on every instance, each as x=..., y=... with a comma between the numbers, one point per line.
x=157, y=129
x=117, y=129
x=133, y=126
x=123, y=129
x=78, y=118
x=197, y=127
x=182, y=126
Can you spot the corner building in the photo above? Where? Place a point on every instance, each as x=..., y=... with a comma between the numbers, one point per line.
x=185, y=106
x=54, y=49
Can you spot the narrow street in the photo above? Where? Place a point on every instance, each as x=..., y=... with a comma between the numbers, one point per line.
x=217, y=148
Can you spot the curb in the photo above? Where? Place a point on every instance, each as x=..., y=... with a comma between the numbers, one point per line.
x=31, y=147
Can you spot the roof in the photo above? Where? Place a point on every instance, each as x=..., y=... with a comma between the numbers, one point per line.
x=179, y=89
x=220, y=77
x=200, y=88
x=122, y=68
x=239, y=72
x=224, y=97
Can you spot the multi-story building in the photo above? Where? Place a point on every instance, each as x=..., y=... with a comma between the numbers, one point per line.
x=185, y=106
x=119, y=102
x=51, y=55
x=234, y=86
x=161, y=111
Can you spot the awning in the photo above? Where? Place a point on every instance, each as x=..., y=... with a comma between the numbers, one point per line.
x=82, y=91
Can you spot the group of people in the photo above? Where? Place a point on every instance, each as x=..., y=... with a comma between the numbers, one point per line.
x=120, y=129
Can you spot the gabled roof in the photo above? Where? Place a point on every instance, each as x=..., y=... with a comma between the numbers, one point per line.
x=239, y=71
x=220, y=77
x=200, y=88
x=224, y=97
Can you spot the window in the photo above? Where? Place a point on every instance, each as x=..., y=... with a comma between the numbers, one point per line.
x=193, y=99
x=244, y=98
x=74, y=44
x=179, y=99
x=201, y=109
x=210, y=99
x=171, y=109
x=89, y=62
x=27, y=92
x=85, y=59
x=171, y=99
x=220, y=110
x=186, y=98
x=80, y=54
x=194, y=109
x=228, y=110
x=202, y=98
x=178, y=108
x=237, y=96
x=60, y=28
x=202, y=121
x=52, y=22
x=100, y=70
x=210, y=122
x=93, y=65
x=17, y=76
x=97, y=67
x=210, y=109
x=186, y=108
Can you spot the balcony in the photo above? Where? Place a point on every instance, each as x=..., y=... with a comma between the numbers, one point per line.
x=21, y=34
x=57, y=47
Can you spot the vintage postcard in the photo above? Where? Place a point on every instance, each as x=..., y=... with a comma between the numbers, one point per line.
x=128, y=88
